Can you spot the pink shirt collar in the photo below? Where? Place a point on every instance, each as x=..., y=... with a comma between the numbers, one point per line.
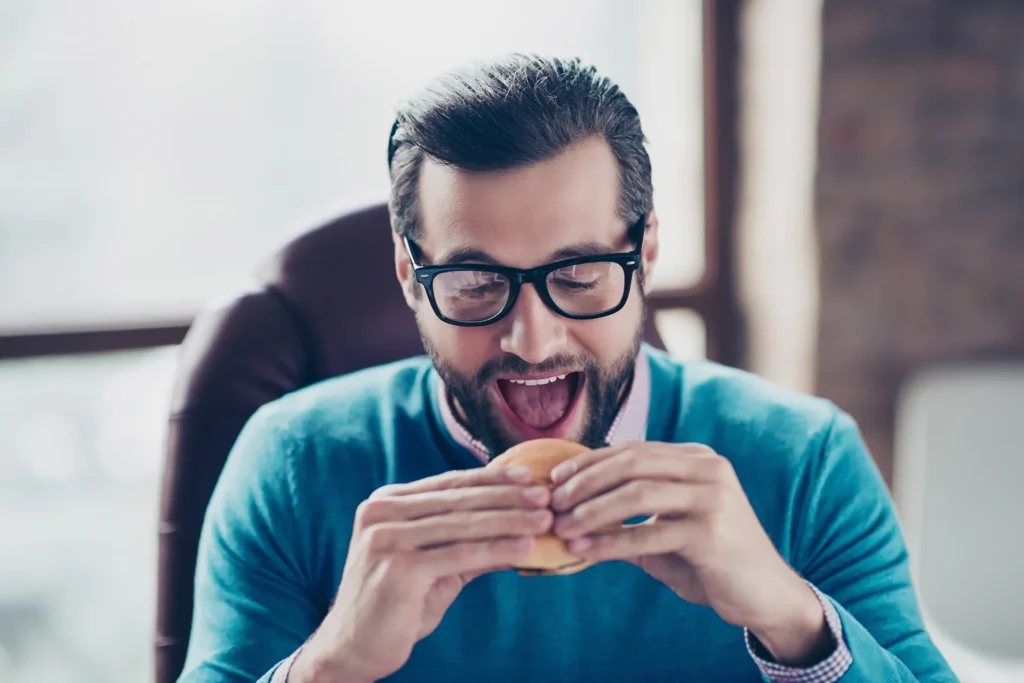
x=630, y=424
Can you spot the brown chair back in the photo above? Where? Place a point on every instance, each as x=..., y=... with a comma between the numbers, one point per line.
x=326, y=304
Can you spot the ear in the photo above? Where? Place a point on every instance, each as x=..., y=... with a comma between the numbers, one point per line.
x=649, y=254
x=404, y=271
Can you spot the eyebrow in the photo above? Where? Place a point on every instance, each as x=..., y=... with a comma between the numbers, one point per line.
x=464, y=255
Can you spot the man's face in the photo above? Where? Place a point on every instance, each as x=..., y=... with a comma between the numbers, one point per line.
x=527, y=218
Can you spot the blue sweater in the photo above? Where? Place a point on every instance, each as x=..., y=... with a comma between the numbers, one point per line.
x=277, y=531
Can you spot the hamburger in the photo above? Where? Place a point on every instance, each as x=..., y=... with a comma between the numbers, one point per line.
x=549, y=556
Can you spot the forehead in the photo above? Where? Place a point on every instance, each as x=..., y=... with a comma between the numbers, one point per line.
x=521, y=216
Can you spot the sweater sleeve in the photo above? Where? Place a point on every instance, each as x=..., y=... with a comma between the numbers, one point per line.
x=849, y=545
x=252, y=605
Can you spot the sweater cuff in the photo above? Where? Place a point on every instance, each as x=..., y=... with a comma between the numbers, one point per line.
x=281, y=673
x=829, y=670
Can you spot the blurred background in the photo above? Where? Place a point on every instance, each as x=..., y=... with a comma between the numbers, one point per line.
x=840, y=185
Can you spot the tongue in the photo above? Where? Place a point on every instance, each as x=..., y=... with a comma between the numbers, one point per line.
x=541, y=405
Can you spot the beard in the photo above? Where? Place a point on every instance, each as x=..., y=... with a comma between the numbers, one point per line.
x=605, y=387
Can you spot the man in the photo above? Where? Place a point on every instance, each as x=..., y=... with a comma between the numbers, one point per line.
x=355, y=536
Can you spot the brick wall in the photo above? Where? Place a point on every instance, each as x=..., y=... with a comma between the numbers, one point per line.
x=919, y=195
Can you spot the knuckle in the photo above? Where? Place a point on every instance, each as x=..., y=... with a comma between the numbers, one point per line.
x=667, y=460
x=460, y=497
x=520, y=521
x=504, y=548
x=628, y=464
x=703, y=449
x=720, y=467
x=480, y=475
x=446, y=499
x=466, y=552
x=512, y=520
x=446, y=480
x=635, y=492
x=363, y=514
x=492, y=522
x=584, y=512
x=622, y=463
x=453, y=522
x=377, y=538
x=371, y=510
x=384, y=492
x=571, y=488
x=591, y=480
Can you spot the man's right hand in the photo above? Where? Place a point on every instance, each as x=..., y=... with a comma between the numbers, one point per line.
x=414, y=546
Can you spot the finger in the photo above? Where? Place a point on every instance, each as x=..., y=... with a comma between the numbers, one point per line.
x=577, y=464
x=630, y=463
x=473, y=556
x=652, y=538
x=469, y=577
x=454, y=527
x=426, y=504
x=479, y=476
x=635, y=498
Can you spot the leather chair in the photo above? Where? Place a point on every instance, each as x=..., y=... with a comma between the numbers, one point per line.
x=326, y=304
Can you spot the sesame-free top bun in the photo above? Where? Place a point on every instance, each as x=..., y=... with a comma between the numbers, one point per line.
x=549, y=554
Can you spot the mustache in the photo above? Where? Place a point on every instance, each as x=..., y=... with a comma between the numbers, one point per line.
x=514, y=365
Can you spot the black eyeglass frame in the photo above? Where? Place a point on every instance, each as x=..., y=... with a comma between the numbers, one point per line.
x=517, y=277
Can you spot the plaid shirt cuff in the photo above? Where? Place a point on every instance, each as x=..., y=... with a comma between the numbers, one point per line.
x=828, y=670
x=281, y=673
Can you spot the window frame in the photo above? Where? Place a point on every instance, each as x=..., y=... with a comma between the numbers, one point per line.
x=713, y=297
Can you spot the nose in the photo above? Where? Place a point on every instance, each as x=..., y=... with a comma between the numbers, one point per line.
x=533, y=331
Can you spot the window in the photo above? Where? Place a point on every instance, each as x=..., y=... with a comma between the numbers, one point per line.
x=150, y=156
x=80, y=454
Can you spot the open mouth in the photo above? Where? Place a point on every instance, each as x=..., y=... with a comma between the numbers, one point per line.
x=541, y=404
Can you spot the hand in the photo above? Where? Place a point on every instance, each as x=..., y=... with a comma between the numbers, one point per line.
x=702, y=538
x=414, y=546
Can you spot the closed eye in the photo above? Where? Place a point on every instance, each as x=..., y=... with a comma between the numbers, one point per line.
x=576, y=285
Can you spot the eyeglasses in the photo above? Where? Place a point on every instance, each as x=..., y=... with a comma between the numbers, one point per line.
x=580, y=288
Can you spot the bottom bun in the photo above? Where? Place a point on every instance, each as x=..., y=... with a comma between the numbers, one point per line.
x=549, y=557
x=566, y=570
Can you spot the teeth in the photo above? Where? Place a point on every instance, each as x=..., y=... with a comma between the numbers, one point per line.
x=537, y=382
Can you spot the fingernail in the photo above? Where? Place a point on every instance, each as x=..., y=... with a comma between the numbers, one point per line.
x=580, y=544
x=559, y=498
x=536, y=494
x=563, y=472
x=523, y=544
x=519, y=473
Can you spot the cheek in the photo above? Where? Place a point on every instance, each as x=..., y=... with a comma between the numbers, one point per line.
x=608, y=338
x=464, y=348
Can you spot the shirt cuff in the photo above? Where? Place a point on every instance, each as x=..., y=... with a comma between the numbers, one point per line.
x=281, y=673
x=828, y=670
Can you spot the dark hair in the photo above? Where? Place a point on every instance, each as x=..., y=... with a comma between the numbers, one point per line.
x=508, y=113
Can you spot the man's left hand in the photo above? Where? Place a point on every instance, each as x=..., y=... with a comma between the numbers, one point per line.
x=702, y=538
